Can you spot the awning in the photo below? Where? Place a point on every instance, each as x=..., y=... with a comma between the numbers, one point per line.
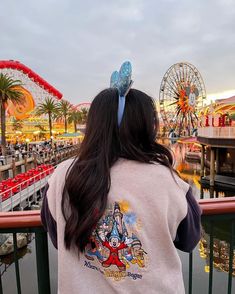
x=230, y=100
x=71, y=135
x=189, y=140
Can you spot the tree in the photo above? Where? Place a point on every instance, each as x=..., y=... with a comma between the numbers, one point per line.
x=42, y=131
x=49, y=107
x=84, y=113
x=64, y=109
x=17, y=124
x=9, y=91
x=232, y=116
x=75, y=117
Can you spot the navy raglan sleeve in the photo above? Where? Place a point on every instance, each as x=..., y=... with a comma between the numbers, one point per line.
x=48, y=221
x=189, y=230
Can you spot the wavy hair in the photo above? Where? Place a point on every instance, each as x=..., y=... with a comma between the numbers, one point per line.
x=88, y=180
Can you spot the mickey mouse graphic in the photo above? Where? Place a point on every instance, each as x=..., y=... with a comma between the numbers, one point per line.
x=114, y=243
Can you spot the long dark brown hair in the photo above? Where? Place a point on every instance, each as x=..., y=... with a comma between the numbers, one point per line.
x=88, y=180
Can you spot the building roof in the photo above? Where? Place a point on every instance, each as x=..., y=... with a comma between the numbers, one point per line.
x=230, y=100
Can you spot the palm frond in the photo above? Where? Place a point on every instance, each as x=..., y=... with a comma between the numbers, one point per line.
x=48, y=106
x=10, y=89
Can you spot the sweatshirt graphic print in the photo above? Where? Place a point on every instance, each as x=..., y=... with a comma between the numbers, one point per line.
x=115, y=249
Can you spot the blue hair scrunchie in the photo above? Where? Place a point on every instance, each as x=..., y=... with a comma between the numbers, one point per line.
x=122, y=82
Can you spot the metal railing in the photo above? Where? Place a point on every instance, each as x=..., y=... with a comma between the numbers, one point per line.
x=215, y=211
x=18, y=193
x=28, y=222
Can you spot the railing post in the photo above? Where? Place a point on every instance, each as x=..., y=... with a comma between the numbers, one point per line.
x=202, y=160
x=190, y=279
x=11, y=201
x=210, y=288
x=42, y=263
x=17, y=269
x=1, y=195
x=56, y=157
x=230, y=272
x=13, y=166
x=34, y=160
x=25, y=162
x=1, y=290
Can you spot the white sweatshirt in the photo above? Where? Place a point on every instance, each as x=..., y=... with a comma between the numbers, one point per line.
x=133, y=249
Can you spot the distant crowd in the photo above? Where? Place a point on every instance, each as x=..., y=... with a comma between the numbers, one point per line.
x=20, y=150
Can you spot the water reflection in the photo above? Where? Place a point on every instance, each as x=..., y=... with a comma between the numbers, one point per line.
x=7, y=260
x=187, y=163
x=221, y=247
x=189, y=170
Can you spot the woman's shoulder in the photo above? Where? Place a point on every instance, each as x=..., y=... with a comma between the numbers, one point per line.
x=172, y=177
x=64, y=165
x=60, y=171
x=154, y=173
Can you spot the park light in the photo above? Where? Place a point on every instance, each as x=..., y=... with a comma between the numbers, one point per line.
x=27, y=140
x=36, y=132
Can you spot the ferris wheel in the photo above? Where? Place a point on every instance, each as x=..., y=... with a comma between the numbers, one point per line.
x=182, y=93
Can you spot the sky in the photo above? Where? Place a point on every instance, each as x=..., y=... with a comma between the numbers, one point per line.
x=76, y=45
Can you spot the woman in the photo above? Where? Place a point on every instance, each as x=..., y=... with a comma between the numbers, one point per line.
x=118, y=211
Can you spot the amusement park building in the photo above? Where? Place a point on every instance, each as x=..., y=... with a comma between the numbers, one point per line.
x=22, y=122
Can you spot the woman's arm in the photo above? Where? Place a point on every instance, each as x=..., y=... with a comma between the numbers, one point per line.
x=48, y=221
x=189, y=230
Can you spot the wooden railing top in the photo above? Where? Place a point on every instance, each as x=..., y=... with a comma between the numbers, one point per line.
x=23, y=219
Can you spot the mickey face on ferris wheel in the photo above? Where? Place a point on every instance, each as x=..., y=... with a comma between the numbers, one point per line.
x=187, y=95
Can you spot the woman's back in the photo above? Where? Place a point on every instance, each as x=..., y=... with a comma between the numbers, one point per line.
x=131, y=250
x=120, y=211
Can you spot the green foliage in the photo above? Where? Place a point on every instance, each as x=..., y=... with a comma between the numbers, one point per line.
x=17, y=124
x=75, y=117
x=49, y=106
x=41, y=128
x=84, y=114
x=232, y=116
x=64, y=110
x=8, y=92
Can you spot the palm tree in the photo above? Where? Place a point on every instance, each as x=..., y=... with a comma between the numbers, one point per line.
x=84, y=113
x=49, y=107
x=9, y=91
x=75, y=117
x=17, y=124
x=64, y=109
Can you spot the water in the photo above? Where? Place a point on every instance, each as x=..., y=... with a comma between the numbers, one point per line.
x=190, y=173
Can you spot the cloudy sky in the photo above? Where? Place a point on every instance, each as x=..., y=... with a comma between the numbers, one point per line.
x=75, y=45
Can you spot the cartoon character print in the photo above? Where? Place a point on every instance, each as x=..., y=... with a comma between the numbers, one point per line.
x=94, y=250
x=114, y=242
